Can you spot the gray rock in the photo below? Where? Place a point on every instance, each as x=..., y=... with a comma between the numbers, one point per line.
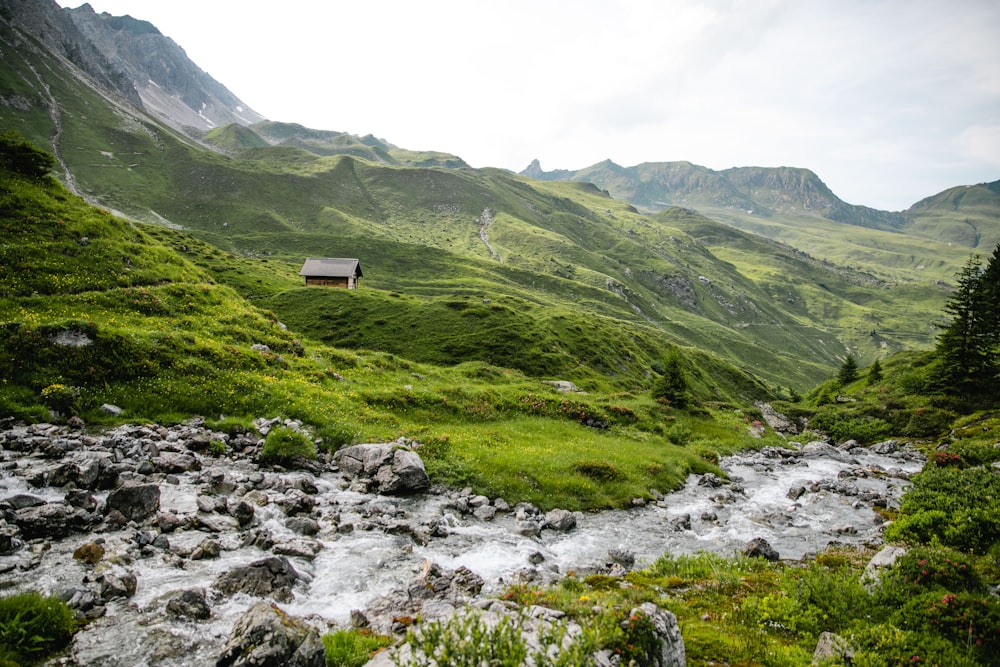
x=758, y=547
x=109, y=409
x=242, y=511
x=298, y=548
x=821, y=450
x=176, y=462
x=390, y=467
x=118, y=585
x=885, y=447
x=51, y=520
x=303, y=525
x=560, y=520
x=885, y=558
x=832, y=648
x=273, y=576
x=134, y=500
x=265, y=636
x=671, y=645
x=190, y=604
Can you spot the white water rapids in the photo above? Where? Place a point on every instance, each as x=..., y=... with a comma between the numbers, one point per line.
x=356, y=568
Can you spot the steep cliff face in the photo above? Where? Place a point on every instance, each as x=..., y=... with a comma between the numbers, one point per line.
x=167, y=82
x=134, y=59
x=54, y=28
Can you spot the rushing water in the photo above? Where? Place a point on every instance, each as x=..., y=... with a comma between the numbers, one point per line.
x=356, y=568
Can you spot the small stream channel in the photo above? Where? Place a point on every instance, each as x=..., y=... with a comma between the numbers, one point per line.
x=832, y=497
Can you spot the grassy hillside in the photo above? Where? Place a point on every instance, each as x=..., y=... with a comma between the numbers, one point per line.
x=97, y=309
x=965, y=216
x=564, y=267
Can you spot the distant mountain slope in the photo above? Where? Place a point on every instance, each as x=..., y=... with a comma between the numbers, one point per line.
x=762, y=191
x=235, y=139
x=791, y=205
x=132, y=58
x=968, y=215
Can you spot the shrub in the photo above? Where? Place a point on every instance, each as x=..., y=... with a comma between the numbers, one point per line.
x=959, y=507
x=966, y=619
x=931, y=569
x=352, y=648
x=33, y=627
x=927, y=422
x=62, y=398
x=601, y=471
x=284, y=443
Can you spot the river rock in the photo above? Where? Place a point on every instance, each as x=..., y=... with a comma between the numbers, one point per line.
x=303, y=525
x=389, y=467
x=671, y=651
x=118, y=585
x=190, y=604
x=134, y=500
x=21, y=501
x=176, y=462
x=266, y=636
x=820, y=450
x=51, y=520
x=242, y=511
x=758, y=547
x=89, y=552
x=560, y=520
x=273, y=576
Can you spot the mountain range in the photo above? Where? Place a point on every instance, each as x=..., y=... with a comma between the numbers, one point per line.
x=590, y=274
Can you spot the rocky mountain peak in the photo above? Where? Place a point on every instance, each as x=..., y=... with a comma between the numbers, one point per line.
x=132, y=58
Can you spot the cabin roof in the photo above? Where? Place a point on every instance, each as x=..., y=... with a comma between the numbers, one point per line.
x=331, y=267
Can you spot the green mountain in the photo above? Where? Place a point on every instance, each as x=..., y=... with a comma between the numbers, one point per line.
x=925, y=243
x=555, y=279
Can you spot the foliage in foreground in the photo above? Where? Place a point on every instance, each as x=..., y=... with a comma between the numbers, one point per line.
x=33, y=627
x=351, y=648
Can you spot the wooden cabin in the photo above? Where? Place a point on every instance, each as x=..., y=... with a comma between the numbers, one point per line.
x=332, y=272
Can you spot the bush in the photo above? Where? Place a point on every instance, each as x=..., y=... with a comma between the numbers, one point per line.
x=967, y=620
x=33, y=627
x=958, y=507
x=351, y=648
x=283, y=443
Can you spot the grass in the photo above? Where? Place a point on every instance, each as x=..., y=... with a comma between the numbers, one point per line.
x=163, y=338
x=33, y=627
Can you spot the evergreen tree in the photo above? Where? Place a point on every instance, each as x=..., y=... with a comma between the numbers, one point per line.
x=672, y=384
x=848, y=372
x=968, y=347
x=875, y=373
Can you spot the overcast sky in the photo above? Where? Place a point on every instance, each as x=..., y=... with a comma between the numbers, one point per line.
x=887, y=101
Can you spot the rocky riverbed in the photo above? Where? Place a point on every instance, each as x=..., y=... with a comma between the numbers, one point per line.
x=169, y=548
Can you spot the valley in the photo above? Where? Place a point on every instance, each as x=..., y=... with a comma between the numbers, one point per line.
x=607, y=383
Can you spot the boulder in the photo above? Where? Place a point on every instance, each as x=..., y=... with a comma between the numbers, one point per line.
x=671, y=645
x=89, y=552
x=818, y=449
x=51, y=520
x=265, y=636
x=190, y=604
x=176, y=462
x=135, y=501
x=269, y=577
x=885, y=558
x=118, y=585
x=758, y=547
x=391, y=468
x=561, y=520
x=832, y=649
